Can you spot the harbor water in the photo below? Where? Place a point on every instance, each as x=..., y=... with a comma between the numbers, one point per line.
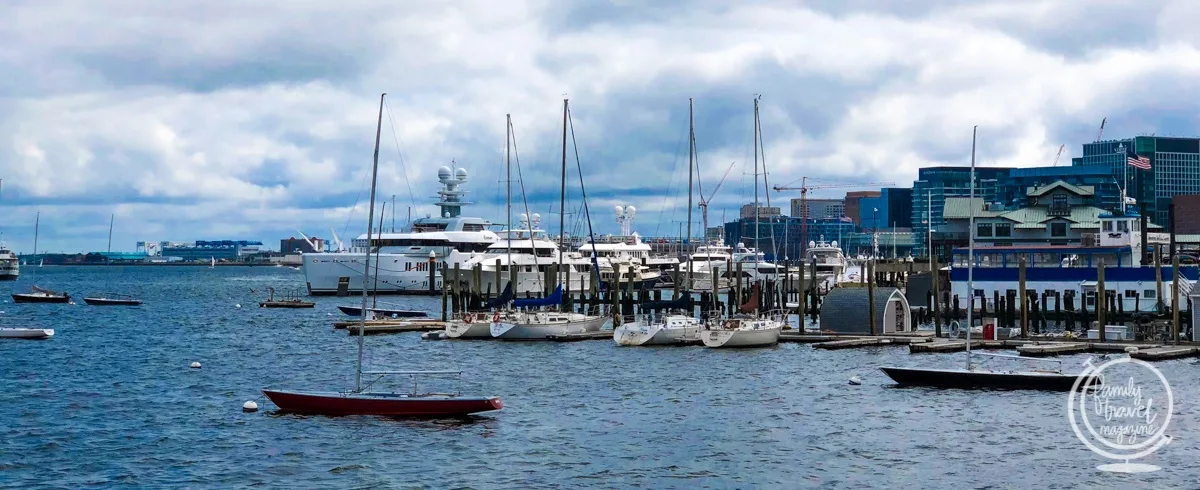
x=110, y=401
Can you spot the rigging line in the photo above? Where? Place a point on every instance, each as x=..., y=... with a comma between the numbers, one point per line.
x=583, y=191
x=403, y=168
x=528, y=215
x=766, y=190
x=667, y=193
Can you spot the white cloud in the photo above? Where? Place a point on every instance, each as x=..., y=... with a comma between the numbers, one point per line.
x=201, y=118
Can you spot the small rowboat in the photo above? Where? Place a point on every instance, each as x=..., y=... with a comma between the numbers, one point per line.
x=26, y=333
x=112, y=299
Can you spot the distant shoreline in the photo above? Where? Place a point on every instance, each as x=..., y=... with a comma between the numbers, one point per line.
x=162, y=264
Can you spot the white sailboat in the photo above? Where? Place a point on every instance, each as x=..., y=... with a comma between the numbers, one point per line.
x=541, y=324
x=212, y=264
x=670, y=328
x=749, y=328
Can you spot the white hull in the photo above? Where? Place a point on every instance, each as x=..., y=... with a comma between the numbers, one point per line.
x=740, y=338
x=527, y=282
x=398, y=274
x=508, y=330
x=458, y=329
x=639, y=334
x=26, y=333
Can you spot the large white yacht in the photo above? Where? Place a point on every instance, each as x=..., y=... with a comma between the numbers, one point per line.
x=616, y=254
x=10, y=267
x=831, y=262
x=404, y=259
x=533, y=254
x=718, y=259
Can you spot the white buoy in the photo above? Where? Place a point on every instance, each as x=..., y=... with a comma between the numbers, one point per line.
x=854, y=380
x=1131, y=350
x=195, y=364
x=238, y=305
x=250, y=406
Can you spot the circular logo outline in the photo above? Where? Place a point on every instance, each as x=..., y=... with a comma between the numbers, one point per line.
x=1154, y=441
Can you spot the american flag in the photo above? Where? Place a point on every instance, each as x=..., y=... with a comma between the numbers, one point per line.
x=1139, y=162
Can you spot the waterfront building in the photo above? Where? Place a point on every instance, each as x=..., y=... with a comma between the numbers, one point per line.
x=212, y=249
x=934, y=185
x=292, y=245
x=763, y=211
x=818, y=208
x=853, y=205
x=894, y=206
x=1175, y=169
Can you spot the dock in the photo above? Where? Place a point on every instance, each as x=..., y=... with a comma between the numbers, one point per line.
x=383, y=323
x=576, y=337
x=397, y=327
x=1052, y=349
x=1164, y=353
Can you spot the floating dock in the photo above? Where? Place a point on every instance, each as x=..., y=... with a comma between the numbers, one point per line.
x=397, y=327
x=1052, y=349
x=392, y=321
x=1164, y=353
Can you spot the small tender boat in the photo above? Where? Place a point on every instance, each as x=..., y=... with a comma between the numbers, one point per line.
x=377, y=313
x=40, y=295
x=271, y=302
x=112, y=299
x=26, y=333
x=384, y=404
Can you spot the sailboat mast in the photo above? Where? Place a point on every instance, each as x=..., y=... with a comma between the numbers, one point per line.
x=691, y=167
x=756, y=174
x=37, y=220
x=362, y=325
x=508, y=188
x=110, y=227
x=562, y=195
x=971, y=249
x=379, y=235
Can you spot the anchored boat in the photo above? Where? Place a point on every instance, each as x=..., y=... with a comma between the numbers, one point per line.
x=41, y=295
x=26, y=333
x=360, y=402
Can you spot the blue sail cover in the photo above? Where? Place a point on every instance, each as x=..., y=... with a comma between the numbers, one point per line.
x=504, y=297
x=554, y=299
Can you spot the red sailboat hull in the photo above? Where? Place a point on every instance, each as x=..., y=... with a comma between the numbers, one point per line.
x=385, y=404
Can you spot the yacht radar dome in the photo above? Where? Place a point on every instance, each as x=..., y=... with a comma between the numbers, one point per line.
x=461, y=174
x=620, y=210
x=523, y=217
x=444, y=174
x=630, y=211
x=812, y=244
x=833, y=244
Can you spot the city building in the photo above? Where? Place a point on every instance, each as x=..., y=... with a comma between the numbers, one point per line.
x=1175, y=169
x=211, y=249
x=763, y=211
x=930, y=191
x=1106, y=189
x=852, y=206
x=1187, y=215
x=818, y=208
x=894, y=206
x=781, y=237
x=293, y=245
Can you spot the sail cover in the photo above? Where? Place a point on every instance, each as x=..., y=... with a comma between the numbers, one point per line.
x=752, y=304
x=680, y=303
x=504, y=297
x=553, y=300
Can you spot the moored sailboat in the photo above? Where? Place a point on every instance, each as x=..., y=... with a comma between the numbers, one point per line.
x=972, y=378
x=41, y=295
x=360, y=402
x=111, y=299
x=672, y=328
x=749, y=328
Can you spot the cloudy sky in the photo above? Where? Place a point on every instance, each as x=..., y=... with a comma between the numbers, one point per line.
x=222, y=119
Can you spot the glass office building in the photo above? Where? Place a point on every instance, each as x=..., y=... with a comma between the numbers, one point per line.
x=935, y=184
x=1175, y=169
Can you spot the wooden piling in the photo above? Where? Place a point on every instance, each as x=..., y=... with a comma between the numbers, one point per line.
x=500, y=279
x=871, y=294
x=477, y=286
x=1175, y=297
x=455, y=293
x=1024, y=299
x=937, y=312
x=445, y=313
x=1101, y=298
x=1158, y=291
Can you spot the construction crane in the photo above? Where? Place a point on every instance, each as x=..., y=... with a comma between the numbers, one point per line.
x=1058, y=155
x=804, y=188
x=1101, y=133
x=705, y=200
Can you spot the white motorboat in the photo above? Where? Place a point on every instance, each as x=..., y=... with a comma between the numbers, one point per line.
x=26, y=333
x=471, y=326
x=10, y=267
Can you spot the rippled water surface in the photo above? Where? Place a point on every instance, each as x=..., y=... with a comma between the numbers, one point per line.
x=110, y=402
